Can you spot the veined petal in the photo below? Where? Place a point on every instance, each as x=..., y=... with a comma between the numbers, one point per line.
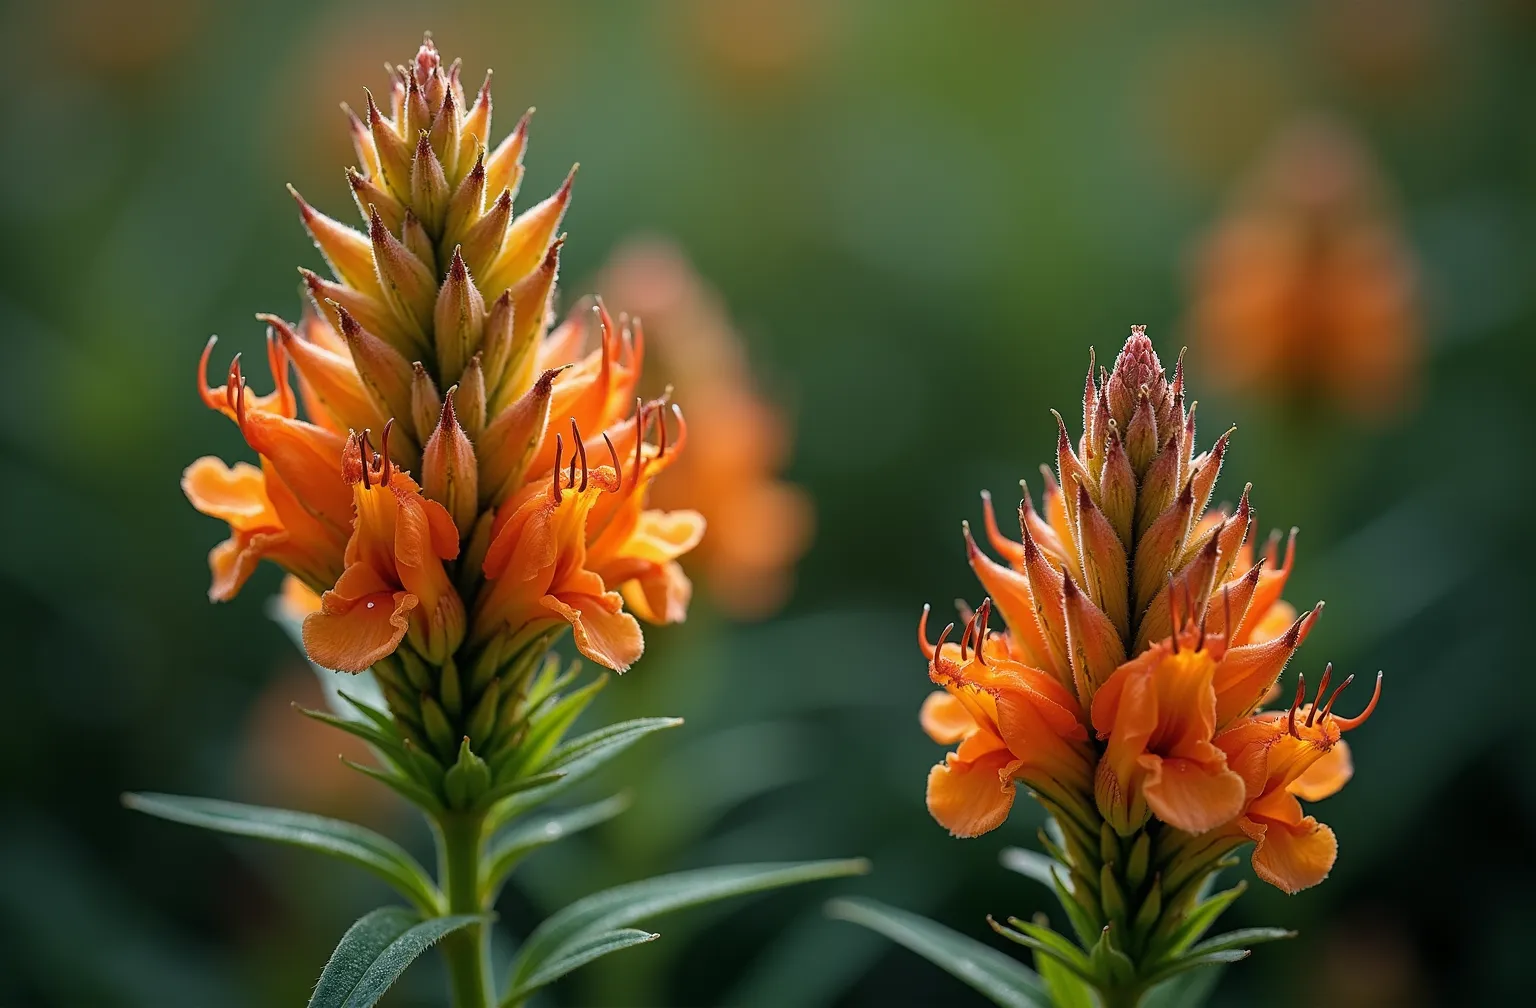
x=1291, y=857
x=1191, y=795
x=1326, y=776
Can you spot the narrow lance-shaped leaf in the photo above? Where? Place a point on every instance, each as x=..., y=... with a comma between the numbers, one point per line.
x=579, y=924
x=344, y=840
x=1002, y=979
x=375, y=951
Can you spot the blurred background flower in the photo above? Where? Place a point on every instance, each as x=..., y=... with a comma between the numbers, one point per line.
x=1306, y=289
x=916, y=217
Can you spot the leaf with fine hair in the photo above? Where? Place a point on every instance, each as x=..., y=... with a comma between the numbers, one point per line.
x=507, y=849
x=580, y=953
x=375, y=951
x=576, y=760
x=344, y=840
x=1003, y=979
x=577, y=926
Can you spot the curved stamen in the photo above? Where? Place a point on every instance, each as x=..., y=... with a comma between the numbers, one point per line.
x=559, y=451
x=1301, y=692
x=363, y=450
x=613, y=453
x=1345, y=724
x=938, y=647
x=581, y=449
x=384, y=466
x=927, y=649
x=1322, y=688
x=1328, y=707
x=1173, y=610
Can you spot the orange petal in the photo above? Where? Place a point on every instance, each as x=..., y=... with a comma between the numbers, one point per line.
x=970, y=798
x=236, y=494
x=660, y=594
x=1292, y=858
x=360, y=621
x=1192, y=796
x=603, y=631
x=1325, y=777
x=945, y=718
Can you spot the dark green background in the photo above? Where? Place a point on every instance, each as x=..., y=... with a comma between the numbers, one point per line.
x=921, y=216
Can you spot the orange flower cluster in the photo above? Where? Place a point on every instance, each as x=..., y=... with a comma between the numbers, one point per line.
x=1307, y=285
x=432, y=350
x=758, y=525
x=1142, y=638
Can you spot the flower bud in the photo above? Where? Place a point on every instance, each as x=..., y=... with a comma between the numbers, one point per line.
x=394, y=153
x=465, y=205
x=385, y=373
x=512, y=438
x=448, y=470
x=458, y=320
x=471, y=398
x=426, y=404
x=410, y=289
x=529, y=237
x=504, y=167
x=483, y=239
x=370, y=196
x=429, y=186
x=346, y=250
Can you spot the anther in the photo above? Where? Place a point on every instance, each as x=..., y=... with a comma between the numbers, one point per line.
x=362, y=456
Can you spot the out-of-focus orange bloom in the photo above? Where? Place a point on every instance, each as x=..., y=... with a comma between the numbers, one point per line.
x=1283, y=757
x=1307, y=286
x=758, y=525
x=394, y=584
x=1013, y=723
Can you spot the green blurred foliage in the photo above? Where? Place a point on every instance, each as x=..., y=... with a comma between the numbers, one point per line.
x=921, y=214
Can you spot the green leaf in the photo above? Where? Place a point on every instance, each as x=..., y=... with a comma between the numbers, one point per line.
x=1241, y=938
x=583, y=952
x=1004, y=980
x=578, y=759
x=547, y=727
x=344, y=840
x=1198, y=920
x=375, y=951
x=510, y=846
x=1044, y=941
x=1068, y=990
x=1189, y=989
x=580, y=924
x=1033, y=864
x=1186, y=963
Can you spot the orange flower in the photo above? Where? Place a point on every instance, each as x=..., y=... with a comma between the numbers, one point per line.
x=1283, y=757
x=537, y=563
x=758, y=524
x=1308, y=286
x=1013, y=723
x=304, y=532
x=394, y=584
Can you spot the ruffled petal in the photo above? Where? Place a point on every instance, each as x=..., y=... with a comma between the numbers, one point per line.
x=603, y=631
x=360, y=621
x=1292, y=857
x=970, y=798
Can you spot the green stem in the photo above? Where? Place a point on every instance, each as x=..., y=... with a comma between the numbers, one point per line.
x=465, y=950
